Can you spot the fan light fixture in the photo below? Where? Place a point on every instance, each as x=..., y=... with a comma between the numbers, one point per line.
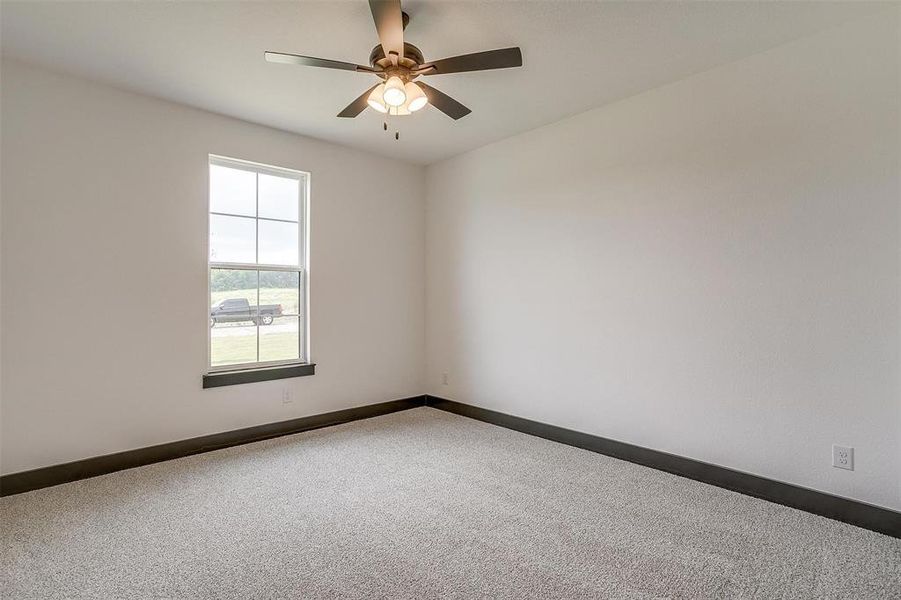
x=399, y=111
x=394, y=94
x=376, y=101
x=416, y=98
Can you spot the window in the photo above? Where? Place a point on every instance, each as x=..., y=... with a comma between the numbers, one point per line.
x=257, y=266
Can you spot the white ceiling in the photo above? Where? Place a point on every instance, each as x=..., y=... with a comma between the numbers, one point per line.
x=577, y=55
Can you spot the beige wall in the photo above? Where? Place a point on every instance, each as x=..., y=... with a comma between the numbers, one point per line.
x=104, y=199
x=710, y=268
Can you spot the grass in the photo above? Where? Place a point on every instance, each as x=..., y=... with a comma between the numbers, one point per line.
x=239, y=349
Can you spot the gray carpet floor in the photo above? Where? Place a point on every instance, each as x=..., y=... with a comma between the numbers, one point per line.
x=424, y=504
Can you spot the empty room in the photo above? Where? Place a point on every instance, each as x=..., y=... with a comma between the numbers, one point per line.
x=424, y=299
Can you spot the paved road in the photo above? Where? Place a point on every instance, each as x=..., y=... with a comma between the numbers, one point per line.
x=283, y=325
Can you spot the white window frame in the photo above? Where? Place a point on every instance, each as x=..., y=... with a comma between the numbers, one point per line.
x=302, y=269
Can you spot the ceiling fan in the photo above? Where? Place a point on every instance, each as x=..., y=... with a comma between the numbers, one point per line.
x=397, y=63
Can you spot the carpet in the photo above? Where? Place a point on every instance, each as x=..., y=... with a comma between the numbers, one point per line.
x=424, y=504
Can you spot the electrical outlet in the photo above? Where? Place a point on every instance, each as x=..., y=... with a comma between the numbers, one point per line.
x=444, y=378
x=843, y=457
x=287, y=396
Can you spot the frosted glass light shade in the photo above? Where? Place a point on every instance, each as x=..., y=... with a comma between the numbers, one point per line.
x=394, y=92
x=399, y=111
x=376, y=101
x=416, y=98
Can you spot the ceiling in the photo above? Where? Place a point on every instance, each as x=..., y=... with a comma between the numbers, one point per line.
x=577, y=55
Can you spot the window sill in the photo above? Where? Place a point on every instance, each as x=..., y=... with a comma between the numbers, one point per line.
x=255, y=375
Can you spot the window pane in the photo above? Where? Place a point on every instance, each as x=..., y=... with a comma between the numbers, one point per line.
x=233, y=345
x=279, y=243
x=280, y=290
x=233, y=191
x=279, y=197
x=281, y=340
x=232, y=239
x=233, y=315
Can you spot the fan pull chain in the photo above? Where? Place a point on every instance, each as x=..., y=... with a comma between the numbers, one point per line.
x=385, y=128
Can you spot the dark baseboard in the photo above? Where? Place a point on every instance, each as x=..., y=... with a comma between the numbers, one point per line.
x=864, y=515
x=16, y=483
x=868, y=516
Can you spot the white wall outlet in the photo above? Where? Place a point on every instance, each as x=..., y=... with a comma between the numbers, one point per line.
x=843, y=457
x=444, y=378
x=287, y=396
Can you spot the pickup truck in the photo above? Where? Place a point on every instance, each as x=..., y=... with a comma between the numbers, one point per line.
x=234, y=310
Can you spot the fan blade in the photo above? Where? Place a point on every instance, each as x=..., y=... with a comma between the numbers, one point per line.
x=310, y=61
x=358, y=105
x=480, y=61
x=389, y=22
x=443, y=102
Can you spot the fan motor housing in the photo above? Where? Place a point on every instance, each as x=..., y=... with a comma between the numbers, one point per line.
x=412, y=57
